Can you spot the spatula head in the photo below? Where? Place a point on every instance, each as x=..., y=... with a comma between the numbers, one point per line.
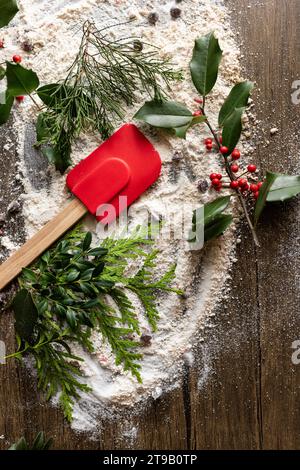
x=124, y=165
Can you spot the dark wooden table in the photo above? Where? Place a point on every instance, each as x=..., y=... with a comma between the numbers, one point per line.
x=248, y=394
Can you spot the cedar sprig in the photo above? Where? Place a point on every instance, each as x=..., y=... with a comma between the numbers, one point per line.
x=75, y=289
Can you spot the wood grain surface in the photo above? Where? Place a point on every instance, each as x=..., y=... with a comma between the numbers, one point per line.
x=244, y=391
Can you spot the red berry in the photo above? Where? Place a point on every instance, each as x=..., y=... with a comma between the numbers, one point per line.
x=17, y=59
x=256, y=194
x=1, y=43
x=220, y=139
x=219, y=176
x=223, y=150
x=242, y=182
x=234, y=168
x=215, y=182
x=234, y=184
x=213, y=176
x=198, y=100
x=209, y=146
x=208, y=141
x=236, y=154
x=259, y=185
x=20, y=98
x=197, y=113
x=245, y=187
x=218, y=188
x=251, y=168
x=254, y=188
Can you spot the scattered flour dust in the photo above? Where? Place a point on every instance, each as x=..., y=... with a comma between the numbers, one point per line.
x=53, y=28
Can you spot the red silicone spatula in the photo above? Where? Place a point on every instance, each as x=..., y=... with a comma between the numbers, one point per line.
x=124, y=165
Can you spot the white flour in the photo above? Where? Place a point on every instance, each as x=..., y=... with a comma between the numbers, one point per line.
x=52, y=26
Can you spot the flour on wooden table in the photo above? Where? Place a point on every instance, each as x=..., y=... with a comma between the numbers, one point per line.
x=52, y=27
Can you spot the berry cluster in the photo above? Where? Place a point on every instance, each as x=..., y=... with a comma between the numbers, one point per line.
x=244, y=185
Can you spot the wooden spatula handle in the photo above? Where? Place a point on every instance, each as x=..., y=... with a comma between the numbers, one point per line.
x=32, y=249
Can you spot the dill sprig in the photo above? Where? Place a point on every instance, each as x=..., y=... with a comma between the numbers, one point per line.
x=75, y=289
x=105, y=78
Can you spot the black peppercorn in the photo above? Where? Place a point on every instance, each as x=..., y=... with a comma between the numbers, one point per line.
x=202, y=186
x=153, y=18
x=27, y=46
x=137, y=45
x=175, y=13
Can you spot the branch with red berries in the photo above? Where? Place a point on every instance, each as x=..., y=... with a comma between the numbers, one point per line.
x=252, y=193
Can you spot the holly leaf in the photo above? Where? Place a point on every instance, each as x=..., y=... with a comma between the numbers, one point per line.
x=8, y=9
x=237, y=98
x=165, y=114
x=52, y=93
x=205, y=62
x=42, y=131
x=217, y=227
x=263, y=193
x=2, y=72
x=284, y=187
x=5, y=108
x=181, y=131
x=210, y=219
x=26, y=313
x=60, y=154
x=20, y=81
x=232, y=129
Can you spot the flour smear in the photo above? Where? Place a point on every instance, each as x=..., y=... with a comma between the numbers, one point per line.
x=53, y=28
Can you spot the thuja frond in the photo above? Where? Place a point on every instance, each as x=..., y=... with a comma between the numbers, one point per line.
x=143, y=285
x=104, y=79
x=75, y=289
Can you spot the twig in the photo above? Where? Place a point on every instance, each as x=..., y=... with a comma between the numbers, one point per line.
x=232, y=178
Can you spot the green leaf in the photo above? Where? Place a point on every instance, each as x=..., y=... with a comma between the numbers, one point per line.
x=21, y=444
x=8, y=9
x=214, y=208
x=181, y=131
x=283, y=188
x=237, y=98
x=52, y=93
x=25, y=313
x=217, y=227
x=205, y=62
x=72, y=275
x=42, y=131
x=232, y=129
x=263, y=193
x=211, y=218
x=20, y=81
x=87, y=241
x=2, y=72
x=165, y=114
x=29, y=275
x=98, y=252
x=5, y=109
x=59, y=155
x=71, y=318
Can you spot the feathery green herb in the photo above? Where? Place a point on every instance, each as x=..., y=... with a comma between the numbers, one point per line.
x=64, y=297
